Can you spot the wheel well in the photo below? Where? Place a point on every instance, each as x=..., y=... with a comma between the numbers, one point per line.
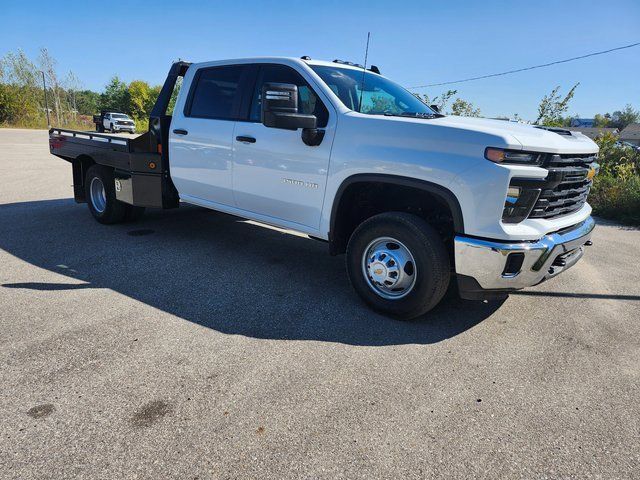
x=361, y=199
x=80, y=166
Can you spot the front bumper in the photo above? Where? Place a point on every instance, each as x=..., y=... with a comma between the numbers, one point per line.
x=128, y=128
x=487, y=268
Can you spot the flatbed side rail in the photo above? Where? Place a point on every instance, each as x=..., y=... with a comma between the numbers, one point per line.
x=91, y=136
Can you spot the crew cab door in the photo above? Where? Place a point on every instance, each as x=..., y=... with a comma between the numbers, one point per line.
x=106, y=122
x=276, y=175
x=201, y=135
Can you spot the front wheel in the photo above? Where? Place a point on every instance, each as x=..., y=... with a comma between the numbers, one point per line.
x=398, y=264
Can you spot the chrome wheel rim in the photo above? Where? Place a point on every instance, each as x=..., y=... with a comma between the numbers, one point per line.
x=98, y=195
x=389, y=268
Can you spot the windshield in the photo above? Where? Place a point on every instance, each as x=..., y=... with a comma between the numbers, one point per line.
x=119, y=115
x=380, y=96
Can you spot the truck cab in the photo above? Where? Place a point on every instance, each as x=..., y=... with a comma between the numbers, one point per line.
x=417, y=200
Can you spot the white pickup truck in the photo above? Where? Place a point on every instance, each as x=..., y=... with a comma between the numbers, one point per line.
x=114, y=122
x=414, y=198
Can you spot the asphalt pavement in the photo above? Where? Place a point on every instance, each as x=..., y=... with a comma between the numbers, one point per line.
x=193, y=344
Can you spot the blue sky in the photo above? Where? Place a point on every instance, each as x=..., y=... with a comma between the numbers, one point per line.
x=414, y=43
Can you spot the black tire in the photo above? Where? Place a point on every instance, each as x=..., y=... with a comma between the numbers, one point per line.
x=111, y=128
x=133, y=214
x=112, y=211
x=432, y=266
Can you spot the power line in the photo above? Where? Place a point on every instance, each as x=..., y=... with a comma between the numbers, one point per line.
x=527, y=68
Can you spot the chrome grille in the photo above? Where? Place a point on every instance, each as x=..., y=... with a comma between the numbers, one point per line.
x=566, y=187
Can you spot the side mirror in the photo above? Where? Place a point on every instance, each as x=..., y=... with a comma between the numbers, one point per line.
x=280, y=108
x=435, y=108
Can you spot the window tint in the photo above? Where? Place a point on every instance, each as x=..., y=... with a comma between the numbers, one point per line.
x=308, y=101
x=216, y=92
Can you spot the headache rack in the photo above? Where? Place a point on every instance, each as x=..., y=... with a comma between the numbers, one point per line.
x=567, y=186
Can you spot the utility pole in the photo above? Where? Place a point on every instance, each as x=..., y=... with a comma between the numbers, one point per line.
x=46, y=103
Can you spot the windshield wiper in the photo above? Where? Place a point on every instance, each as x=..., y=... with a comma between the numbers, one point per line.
x=415, y=115
x=421, y=114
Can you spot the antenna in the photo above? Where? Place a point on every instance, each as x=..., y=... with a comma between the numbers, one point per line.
x=364, y=71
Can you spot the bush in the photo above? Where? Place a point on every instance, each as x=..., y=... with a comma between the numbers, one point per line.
x=142, y=125
x=616, y=198
x=616, y=189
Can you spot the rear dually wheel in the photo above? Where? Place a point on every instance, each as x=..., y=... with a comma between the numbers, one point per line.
x=101, y=195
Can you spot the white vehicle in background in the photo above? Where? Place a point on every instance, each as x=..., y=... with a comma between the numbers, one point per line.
x=415, y=199
x=114, y=122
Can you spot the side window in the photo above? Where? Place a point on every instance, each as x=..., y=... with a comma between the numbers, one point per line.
x=215, y=93
x=308, y=101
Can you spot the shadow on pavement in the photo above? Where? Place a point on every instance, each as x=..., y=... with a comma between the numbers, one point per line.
x=48, y=286
x=217, y=271
x=576, y=295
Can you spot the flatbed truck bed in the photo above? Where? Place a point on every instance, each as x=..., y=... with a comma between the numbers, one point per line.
x=141, y=164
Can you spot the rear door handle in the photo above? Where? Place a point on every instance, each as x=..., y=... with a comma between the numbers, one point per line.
x=246, y=139
x=180, y=131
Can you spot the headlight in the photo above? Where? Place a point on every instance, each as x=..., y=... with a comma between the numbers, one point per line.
x=499, y=155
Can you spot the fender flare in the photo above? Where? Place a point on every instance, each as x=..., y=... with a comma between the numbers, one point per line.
x=438, y=190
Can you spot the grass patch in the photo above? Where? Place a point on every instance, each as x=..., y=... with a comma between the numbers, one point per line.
x=81, y=122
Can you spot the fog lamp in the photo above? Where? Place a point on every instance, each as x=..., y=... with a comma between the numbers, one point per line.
x=512, y=195
x=519, y=203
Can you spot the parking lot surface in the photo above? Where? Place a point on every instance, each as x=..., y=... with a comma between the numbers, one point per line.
x=194, y=344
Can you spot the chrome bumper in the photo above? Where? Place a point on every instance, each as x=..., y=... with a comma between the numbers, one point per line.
x=486, y=261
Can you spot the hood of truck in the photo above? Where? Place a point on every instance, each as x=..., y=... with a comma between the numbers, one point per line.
x=527, y=137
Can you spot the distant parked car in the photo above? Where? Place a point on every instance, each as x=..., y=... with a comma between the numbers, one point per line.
x=621, y=144
x=114, y=122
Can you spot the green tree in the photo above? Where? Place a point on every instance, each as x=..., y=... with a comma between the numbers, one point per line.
x=553, y=106
x=459, y=107
x=600, y=120
x=21, y=95
x=116, y=96
x=87, y=102
x=139, y=98
x=153, y=96
x=464, y=108
x=440, y=101
x=620, y=119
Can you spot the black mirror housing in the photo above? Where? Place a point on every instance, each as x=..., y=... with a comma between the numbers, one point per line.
x=280, y=108
x=435, y=108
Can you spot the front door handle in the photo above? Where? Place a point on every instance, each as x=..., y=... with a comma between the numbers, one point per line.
x=180, y=131
x=245, y=139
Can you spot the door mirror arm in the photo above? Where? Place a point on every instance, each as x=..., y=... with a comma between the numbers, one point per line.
x=312, y=136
